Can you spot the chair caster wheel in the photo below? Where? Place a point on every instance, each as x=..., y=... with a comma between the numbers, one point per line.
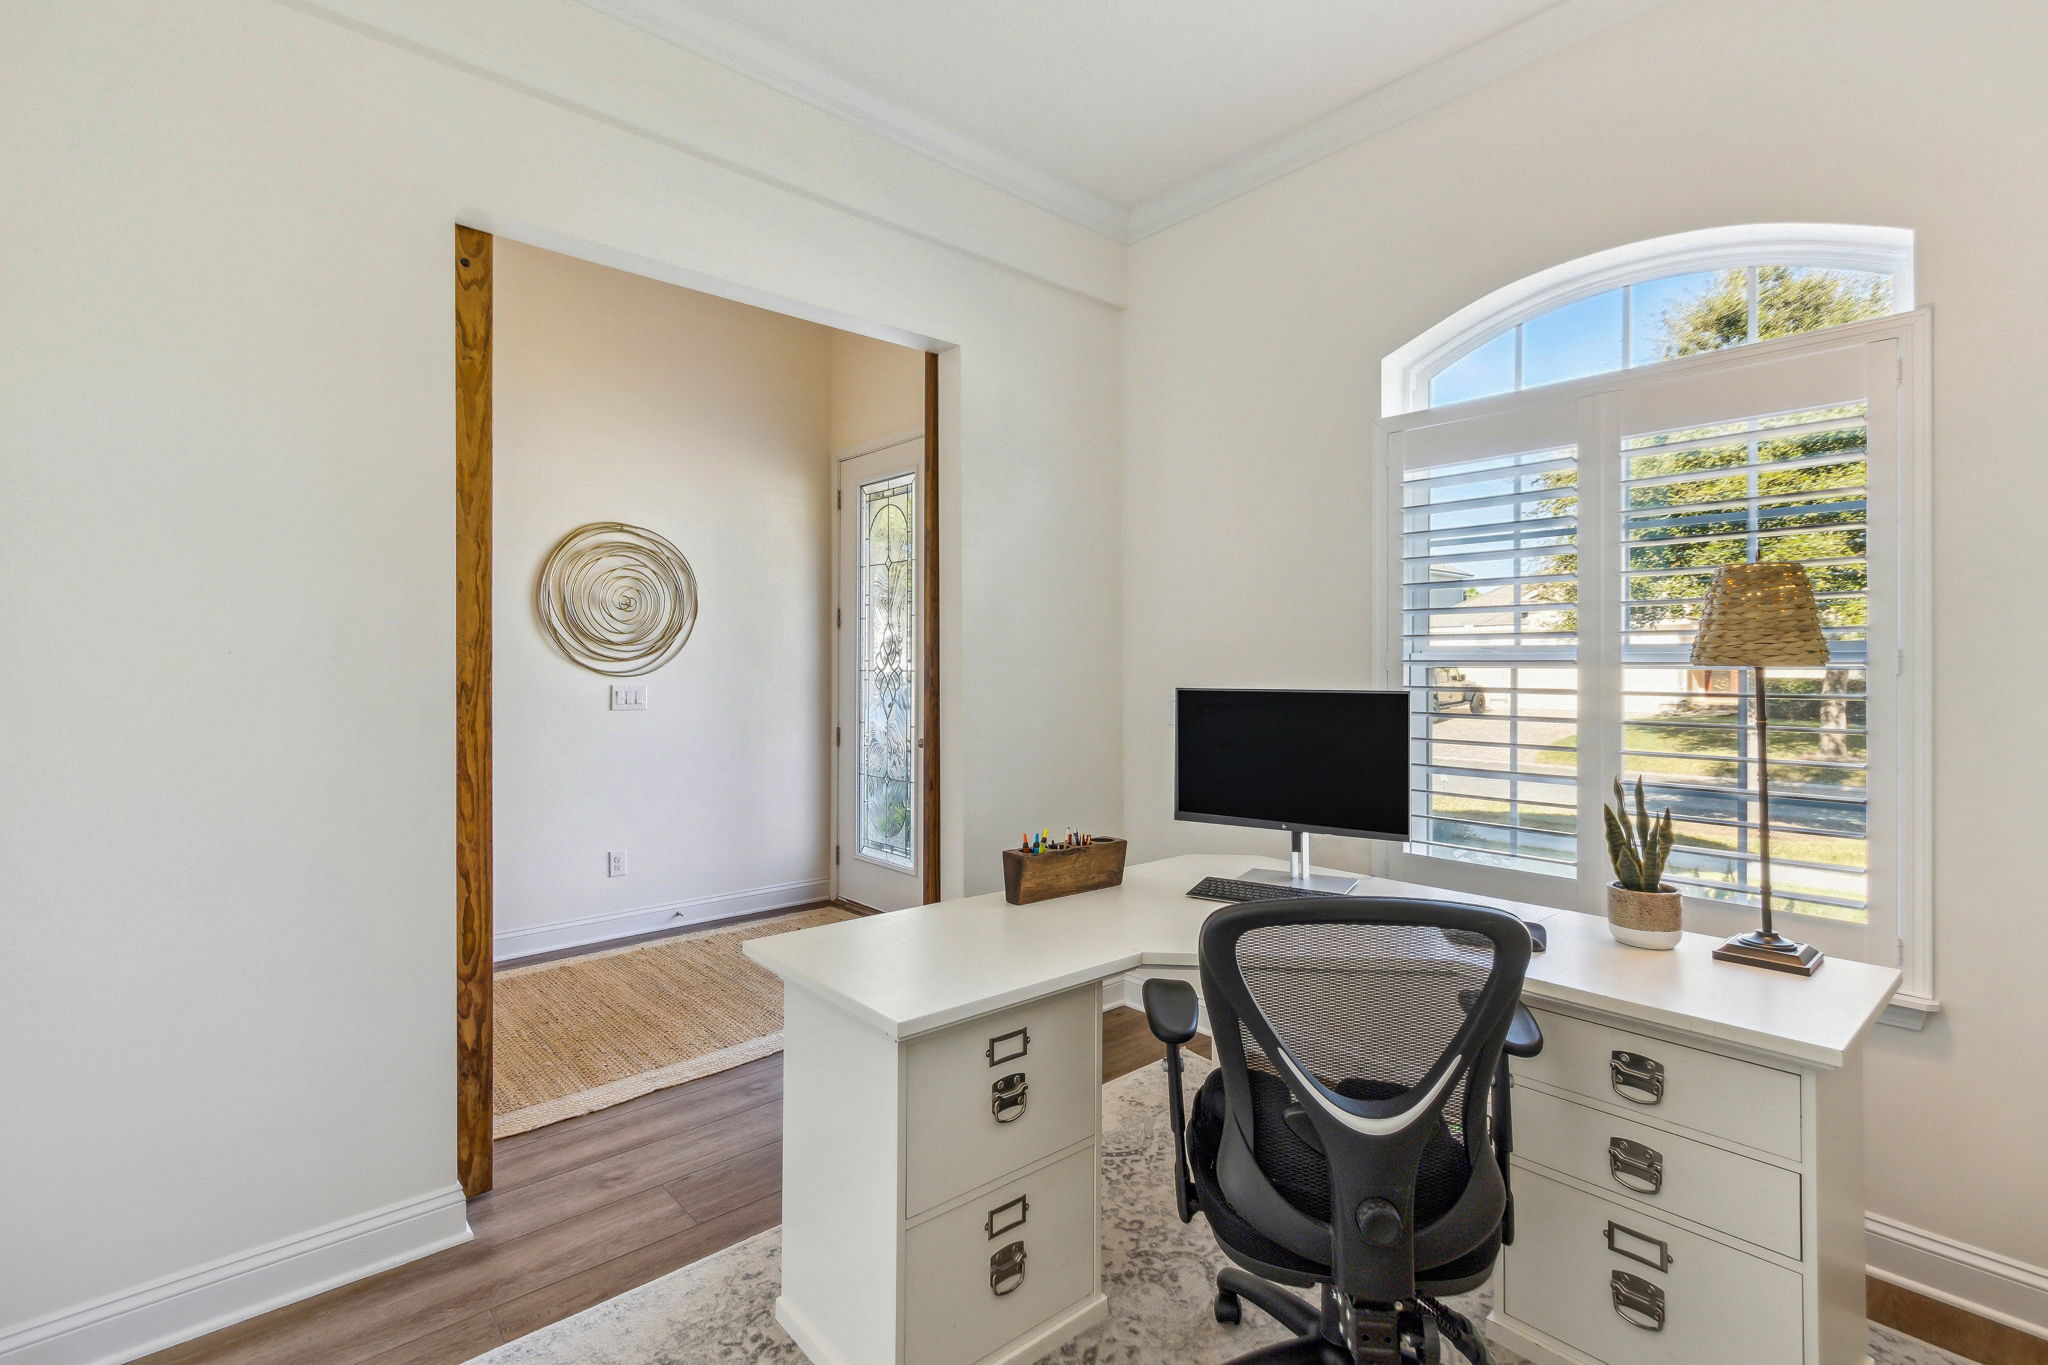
x=1229, y=1308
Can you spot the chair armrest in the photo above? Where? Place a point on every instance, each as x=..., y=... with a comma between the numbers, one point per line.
x=1171, y=1010
x=1525, y=1037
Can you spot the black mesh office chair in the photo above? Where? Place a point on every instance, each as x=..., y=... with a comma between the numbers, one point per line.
x=1354, y=1134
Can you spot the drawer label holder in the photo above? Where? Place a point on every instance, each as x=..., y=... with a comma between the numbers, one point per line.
x=1006, y=1270
x=1637, y=1302
x=1636, y=1078
x=1012, y=1045
x=1007, y=1096
x=1007, y=1217
x=1635, y=1166
x=1638, y=1247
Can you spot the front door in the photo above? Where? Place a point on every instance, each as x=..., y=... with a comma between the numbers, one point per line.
x=878, y=815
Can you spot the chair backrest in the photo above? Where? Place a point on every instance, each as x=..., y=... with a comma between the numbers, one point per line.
x=1383, y=1019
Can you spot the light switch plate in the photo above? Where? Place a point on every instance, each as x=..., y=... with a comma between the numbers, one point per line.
x=629, y=696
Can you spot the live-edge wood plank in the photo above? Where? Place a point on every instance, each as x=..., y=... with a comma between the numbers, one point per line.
x=473, y=950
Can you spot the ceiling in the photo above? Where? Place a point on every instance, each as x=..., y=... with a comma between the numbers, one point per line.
x=1124, y=115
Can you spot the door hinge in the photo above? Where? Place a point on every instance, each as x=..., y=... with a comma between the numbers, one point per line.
x=1899, y=953
x=839, y=500
x=838, y=736
x=835, y=855
x=838, y=618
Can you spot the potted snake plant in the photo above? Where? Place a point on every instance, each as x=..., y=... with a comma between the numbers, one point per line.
x=1642, y=911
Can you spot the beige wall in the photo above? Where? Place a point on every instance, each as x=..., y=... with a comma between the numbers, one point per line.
x=620, y=398
x=877, y=390
x=1252, y=352
x=227, y=524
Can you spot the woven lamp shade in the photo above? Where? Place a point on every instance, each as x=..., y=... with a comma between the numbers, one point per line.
x=1760, y=616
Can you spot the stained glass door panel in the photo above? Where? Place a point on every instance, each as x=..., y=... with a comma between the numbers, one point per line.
x=886, y=757
x=878, y=757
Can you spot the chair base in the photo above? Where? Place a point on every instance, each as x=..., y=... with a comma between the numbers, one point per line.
x=1406, y=1334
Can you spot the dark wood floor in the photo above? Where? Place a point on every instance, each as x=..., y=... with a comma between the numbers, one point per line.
x=592, y=1207
x=583, y=1210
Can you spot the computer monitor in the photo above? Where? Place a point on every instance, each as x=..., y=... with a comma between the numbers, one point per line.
x=1305, y=762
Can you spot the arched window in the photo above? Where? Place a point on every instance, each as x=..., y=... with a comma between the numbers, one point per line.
x=1564, y=465
x=1652, y=301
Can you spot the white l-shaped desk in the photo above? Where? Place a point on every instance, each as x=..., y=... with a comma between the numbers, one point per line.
x=1688, y=1147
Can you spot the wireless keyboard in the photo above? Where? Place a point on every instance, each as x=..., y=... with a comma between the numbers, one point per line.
x=1237, y=893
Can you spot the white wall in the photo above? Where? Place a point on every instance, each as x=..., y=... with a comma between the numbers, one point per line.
x=877, y=390
x=620, y=398
x=1253, y=348
x=226, y=555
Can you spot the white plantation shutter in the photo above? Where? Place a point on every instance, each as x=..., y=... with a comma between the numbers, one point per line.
x=1489, y=583
x=1551, y=551
x=1786, y=486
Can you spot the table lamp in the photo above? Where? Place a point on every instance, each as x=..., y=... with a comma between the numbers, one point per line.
x=1762, y=616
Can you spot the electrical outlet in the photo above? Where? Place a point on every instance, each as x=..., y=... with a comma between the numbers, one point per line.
x=615, y=863
x=629, y=696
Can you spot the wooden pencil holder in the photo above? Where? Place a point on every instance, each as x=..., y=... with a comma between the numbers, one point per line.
x=1029, y=877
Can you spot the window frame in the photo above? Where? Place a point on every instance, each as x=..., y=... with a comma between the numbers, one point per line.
x=1910, y=522
x=1405, y=375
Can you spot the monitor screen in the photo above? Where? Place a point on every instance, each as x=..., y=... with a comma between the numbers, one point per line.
x=1324, y=762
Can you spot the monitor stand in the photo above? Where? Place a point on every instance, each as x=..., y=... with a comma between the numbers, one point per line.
x=1297, y=874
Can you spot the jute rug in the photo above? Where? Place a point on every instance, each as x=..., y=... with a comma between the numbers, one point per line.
x=584, y=1033
x=1158, y=1274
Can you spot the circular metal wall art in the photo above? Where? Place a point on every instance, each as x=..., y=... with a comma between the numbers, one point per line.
x=617, y=599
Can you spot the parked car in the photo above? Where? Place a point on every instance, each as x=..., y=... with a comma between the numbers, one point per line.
x=1449, y=689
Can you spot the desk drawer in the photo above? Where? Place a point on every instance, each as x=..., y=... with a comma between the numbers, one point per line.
x=1738, y=1195
x=1709, y=1303
x=968, y=1292
x=1741, y=1101
x=1000, y=1092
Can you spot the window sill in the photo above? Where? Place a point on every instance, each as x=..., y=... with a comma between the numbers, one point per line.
x=1910, y=1012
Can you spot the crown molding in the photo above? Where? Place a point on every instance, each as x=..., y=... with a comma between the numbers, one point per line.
x=1396, y=102
x=739, y=48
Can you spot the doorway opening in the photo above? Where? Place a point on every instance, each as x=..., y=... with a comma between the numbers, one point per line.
x=624, y=824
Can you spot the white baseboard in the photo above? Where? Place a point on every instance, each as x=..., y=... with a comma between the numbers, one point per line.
x=180, y=1307
x=1958, y=1274
x=576, y=933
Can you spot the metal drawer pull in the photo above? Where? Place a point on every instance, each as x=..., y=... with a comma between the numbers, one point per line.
x=1000, y=1212
x=1637, y=1302
x=1006, y=1097
x=1006, y=1270
x=1635, y=1166
x=1638, y=1247
x=1636, y=1078
x=1020, y=1039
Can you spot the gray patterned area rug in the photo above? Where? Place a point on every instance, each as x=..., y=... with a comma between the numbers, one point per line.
x=1159, y=1275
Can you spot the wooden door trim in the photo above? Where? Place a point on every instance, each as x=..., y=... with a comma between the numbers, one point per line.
x=473, y=951
x=929, y=647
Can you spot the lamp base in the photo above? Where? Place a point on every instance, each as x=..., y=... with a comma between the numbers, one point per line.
x=1772, y=951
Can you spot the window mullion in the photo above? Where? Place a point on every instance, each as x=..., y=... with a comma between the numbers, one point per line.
x=1600, y=635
